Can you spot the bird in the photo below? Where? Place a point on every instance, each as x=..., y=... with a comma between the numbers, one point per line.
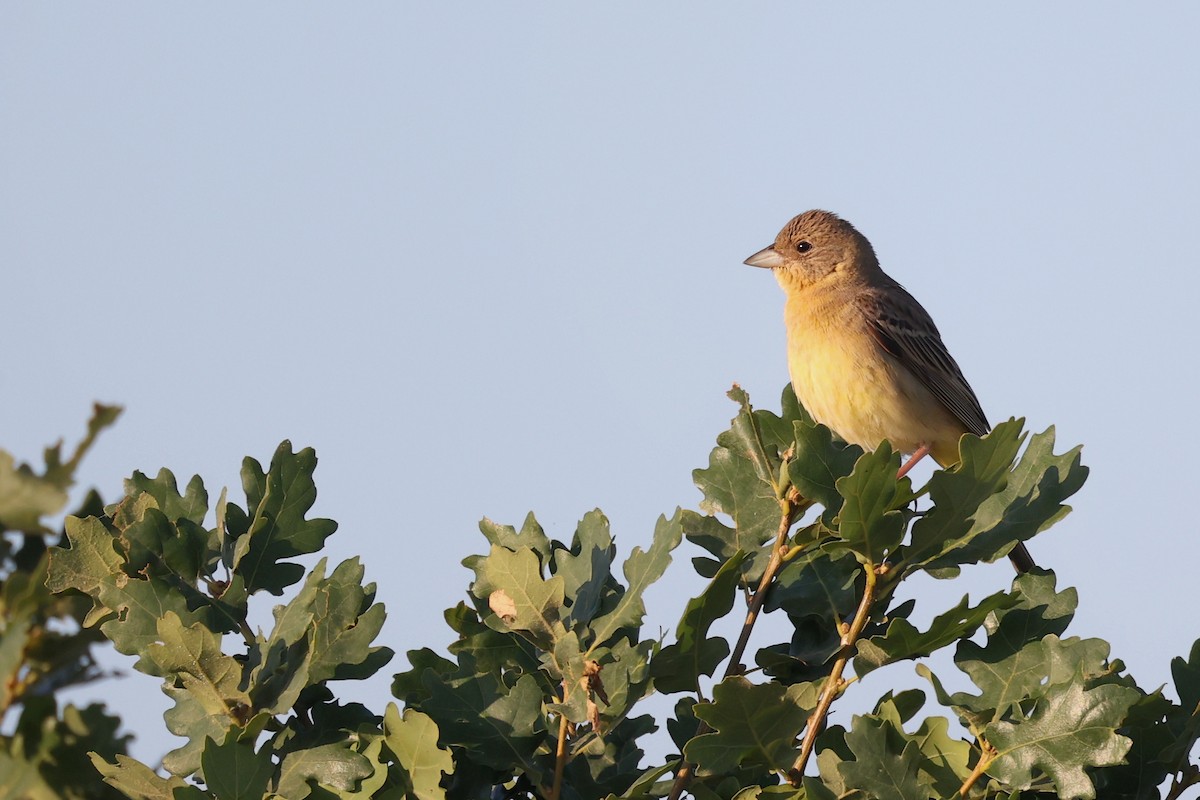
x=865, y=358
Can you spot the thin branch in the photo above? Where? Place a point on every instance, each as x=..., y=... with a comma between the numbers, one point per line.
x=834, y=683
x=985, y=760
x=760, y=595
x=560, y=751
x=684, y=776
x=789, y=506
x=247, y=633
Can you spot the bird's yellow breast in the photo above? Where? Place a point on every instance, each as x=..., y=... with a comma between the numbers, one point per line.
x=848, y=382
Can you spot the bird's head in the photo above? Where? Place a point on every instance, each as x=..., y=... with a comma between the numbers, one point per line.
x=814, y=246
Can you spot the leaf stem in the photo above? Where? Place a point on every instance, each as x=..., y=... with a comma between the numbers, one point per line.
x=834, y=683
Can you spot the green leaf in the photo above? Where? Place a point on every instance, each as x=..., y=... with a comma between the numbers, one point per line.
x=488, y=650
x=1153, y=754
x=643, y=787
x=1031, y=501
x=868, y=521
x=131, y=606
x=641, y=569
x=1072, y=730
x=684, y=725
x=345, y=623
x=983, y=507
x=760, y=435
x=278, y=501
x=192, y=505
x=816, y=790
x=899, y=707
x=784, y=792
x=333, y=766
x=205, y=684
x=1023, y=655
x=625, y=674
x=565, y=665
x=14, y=643
x=157, y=546
x=520, y=598
x=233, y=771
x=742, y=481
x=45, y=754
x=413, y=739
x=89, y=563
x=818, y=463
x=1186, y=675
x=621, y=671
x=370, y=747
x=62, y=473
x=885, y=766
x=958, y=493
x=608, y=763
x=1042, y=608
x=752, y=723
x=136, y=780
x=279, y=667
x=480, y=712
x=723, y=542
x=531, y=535
x=677, y=667
x=41, y=648
x=820, y=582
x=1183, y=722
x=904, y=641
x=26, y=497
x=407, y=686
x=586, y=569
x=945, y=760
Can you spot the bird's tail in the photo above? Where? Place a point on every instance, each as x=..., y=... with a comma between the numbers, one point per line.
x=1021, y=558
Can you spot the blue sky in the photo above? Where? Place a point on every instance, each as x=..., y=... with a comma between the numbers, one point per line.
x=487, y=259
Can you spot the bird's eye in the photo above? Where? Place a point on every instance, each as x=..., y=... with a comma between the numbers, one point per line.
x=803, y=247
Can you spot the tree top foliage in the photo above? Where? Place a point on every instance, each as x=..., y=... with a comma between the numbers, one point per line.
x=543, y=692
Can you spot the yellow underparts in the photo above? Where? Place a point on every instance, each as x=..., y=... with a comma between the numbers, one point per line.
x=848, y=382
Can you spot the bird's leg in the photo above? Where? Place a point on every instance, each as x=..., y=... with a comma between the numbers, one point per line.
x=917, y=455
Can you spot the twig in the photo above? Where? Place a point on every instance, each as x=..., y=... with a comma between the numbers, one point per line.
x=788, y=510
x=247, y=633
x=560, y=751
x=986, y=757
x=834, y=683
x=760, y=595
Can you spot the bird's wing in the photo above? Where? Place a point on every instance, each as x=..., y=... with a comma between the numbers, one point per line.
x=905, y=330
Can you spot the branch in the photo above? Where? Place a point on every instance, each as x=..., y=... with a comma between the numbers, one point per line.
x=790, y=504
x=560, y=751
x=986, y=757
x=834, y=683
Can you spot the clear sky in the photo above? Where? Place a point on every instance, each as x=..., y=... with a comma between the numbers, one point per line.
x=486, y=258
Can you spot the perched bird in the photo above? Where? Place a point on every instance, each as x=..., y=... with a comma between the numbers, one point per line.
x=865, y=358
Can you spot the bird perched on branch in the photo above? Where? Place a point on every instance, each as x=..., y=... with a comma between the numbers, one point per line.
x=865, y=357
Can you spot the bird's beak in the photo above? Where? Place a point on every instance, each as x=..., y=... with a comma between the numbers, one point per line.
x=767, y=258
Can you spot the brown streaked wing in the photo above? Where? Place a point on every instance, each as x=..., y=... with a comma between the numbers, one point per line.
x=904, y=329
